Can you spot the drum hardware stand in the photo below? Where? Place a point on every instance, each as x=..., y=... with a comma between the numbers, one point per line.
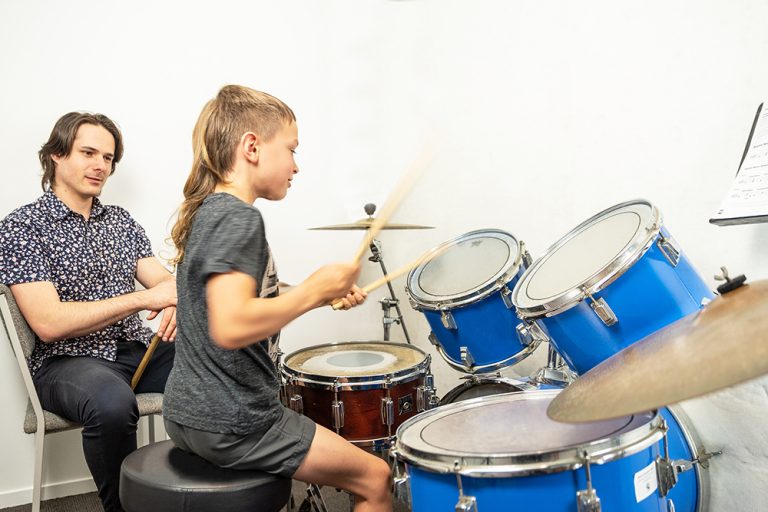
x=665, y=468
x=313, y=501
x=426, y=395
x=401, y=489
x=337, y=408
x=466, y=503
x=730, y=284
x=587, y=500
x=556, y=372
x=388, y=302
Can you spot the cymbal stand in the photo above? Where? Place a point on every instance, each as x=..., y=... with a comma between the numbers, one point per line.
x=388, y=303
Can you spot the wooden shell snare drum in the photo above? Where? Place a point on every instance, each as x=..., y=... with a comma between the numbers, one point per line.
x=361, y=390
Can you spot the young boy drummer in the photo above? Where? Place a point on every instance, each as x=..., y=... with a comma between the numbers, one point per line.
x=221, y=400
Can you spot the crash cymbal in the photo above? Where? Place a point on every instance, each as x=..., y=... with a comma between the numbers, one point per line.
x=366, y=223
x=363, y=224
x=723, y=344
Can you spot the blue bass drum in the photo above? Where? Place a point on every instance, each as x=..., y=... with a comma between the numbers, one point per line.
x=464, y=290
x=610, y=282
x=502, y=453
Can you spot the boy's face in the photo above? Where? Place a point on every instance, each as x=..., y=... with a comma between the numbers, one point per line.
x=83, y=172
x=276, y=163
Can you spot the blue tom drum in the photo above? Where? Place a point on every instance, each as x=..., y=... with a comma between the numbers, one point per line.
x=464, y=290
x=611, y=281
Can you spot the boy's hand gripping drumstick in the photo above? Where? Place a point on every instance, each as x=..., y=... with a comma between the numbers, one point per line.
x=424, y=258
x=145, y=360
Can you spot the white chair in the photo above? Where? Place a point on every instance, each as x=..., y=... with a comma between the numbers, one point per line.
x=38, y=421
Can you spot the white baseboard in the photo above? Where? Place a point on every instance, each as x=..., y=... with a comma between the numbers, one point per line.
x=50, y=491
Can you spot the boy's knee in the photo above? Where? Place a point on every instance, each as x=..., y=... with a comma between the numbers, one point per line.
x=381, y=473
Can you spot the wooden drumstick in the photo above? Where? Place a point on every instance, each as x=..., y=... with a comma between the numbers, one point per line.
x=145, y=360
x=396, y=197
x=394, y=275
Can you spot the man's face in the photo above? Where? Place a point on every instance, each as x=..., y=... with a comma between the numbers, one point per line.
x=82, y=174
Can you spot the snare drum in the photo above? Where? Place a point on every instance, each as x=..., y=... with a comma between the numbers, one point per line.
x=361, y=390
x=611, y=281
x=502, y=452
x=464, y=292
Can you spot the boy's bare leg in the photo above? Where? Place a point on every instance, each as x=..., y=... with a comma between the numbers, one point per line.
x=335, y=462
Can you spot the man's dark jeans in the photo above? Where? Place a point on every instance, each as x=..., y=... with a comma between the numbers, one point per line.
x=97, y=393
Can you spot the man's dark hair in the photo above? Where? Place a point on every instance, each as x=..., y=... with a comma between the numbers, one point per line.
x=63, y=137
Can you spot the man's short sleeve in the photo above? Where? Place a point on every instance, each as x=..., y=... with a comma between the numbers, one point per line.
x=22, y=254
x=143, y=245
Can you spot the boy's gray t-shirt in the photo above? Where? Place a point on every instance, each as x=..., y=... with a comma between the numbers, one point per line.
x=210, y=388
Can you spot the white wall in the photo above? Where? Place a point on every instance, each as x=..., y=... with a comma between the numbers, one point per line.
x=545, y=113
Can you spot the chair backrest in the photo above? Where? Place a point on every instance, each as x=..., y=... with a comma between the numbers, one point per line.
x=17, y=321
x=23, y=343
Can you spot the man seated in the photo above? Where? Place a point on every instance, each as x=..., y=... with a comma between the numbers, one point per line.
x=71, y=263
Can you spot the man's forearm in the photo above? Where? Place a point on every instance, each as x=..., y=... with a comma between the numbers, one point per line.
x=72, y=319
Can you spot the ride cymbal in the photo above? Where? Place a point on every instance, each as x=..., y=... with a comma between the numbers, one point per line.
x=723, y=344
x=364, y=224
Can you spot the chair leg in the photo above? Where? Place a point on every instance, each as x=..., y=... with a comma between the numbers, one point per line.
x=37, y=482
x=151, y=421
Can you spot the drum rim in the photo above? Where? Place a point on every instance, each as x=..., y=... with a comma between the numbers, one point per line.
x=696, y=446
x=478, y=380
x=601, y=279
x=599, y=451
x=421, y=299
x=354, y=382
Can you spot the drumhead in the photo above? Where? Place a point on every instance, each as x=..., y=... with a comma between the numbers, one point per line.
x=466, y=269
x=354, y=361
x=587, y=259
x=511, y=434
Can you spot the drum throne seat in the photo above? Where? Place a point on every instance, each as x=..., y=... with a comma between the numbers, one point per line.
x=163, y=477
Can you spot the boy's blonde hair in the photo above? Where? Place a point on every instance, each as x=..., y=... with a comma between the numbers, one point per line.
x=234, y=111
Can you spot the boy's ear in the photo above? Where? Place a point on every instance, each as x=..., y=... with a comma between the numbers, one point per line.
x=251, y=147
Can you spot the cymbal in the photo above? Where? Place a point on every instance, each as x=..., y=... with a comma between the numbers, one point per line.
x=364, y=224
x=723, y=344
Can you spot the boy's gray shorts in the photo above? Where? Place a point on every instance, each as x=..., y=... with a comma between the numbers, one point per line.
x=280, y=451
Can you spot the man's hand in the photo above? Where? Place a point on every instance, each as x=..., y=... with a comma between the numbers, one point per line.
x=160, y=295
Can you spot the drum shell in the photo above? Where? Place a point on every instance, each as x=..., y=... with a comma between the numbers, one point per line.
x=534, y=480
x=363, y=419
x=691, y=492
x=361, y=390
x=554, y=492
x=648, y=296
x=487, y=327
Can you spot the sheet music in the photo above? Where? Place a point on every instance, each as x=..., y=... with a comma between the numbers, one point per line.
x=747, y=199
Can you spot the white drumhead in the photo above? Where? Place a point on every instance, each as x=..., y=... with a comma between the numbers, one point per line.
x=465, y=268
x=590, y=254
x=514, y=423
x=354, y=359
x=512, y=434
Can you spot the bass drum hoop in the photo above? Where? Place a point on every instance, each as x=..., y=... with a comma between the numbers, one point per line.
x=697, y=449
